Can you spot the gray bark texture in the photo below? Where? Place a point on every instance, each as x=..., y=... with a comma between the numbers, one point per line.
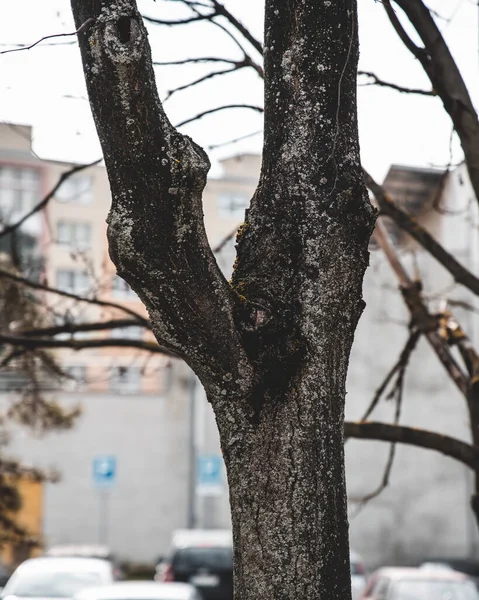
x=272, y=346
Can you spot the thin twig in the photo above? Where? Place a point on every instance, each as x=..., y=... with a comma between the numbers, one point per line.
x=222, y=10
x=73, y=328
x=415, y=230
x=206, y=77
x=38, y=207
x=394, y=86
x=189, y=61
x=34, y=342
x=399, y=365
x=235, y=140
x=48, y=37
x=217, y=109
x=225, y=240
x=186, y=21
x=45, y=288
x=237, y=25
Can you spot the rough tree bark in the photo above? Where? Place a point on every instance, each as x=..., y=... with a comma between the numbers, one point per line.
x=272, y=347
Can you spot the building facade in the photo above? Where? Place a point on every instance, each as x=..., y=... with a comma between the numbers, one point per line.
x=135, y=406
x=150, y=413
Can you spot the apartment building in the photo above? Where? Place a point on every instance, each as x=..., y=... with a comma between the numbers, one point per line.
x=136, y=406
x=152, y=415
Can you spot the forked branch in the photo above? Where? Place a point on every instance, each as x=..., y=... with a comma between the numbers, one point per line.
x=156, y=233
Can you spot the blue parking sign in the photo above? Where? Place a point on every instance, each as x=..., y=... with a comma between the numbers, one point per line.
x=104, y=471
x=209, y=475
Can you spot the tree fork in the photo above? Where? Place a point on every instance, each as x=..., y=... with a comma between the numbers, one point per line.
x=272, y=349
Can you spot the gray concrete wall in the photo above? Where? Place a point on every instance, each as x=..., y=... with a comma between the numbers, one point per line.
x=148, y=435
x=425, y=510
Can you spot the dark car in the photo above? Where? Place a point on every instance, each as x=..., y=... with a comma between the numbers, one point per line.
x=4, y=575
x=204, y=559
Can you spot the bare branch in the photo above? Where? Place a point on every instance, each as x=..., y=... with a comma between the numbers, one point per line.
x=411, y=226
x=221, y=10
x=95, y=301
x=204, y=78
x=189, y=61
x=225, y=240
x=73, y=328
x=394, y=86
x=445, y=76
x=241, y=29
x=399, y=366
x=419, y=53
x=34, y=342
x=383, y=484
x=187, y=21
x=235, y=140
x=38, y=207
x=48, y=37
x=217, y=109
x=12, y=355
x=452, y=447
x=421, y=317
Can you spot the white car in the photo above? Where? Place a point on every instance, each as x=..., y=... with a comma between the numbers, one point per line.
x=141, y=590
x=407, y=583
x=47, y=577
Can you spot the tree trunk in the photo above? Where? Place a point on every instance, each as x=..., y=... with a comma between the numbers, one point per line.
x=272, y=347
x=287, y=489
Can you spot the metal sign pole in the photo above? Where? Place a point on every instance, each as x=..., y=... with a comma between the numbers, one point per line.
x=104, y=477
x=103, y=514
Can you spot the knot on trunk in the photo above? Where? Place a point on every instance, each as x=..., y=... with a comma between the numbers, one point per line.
x=118, y=34
x=123, y=39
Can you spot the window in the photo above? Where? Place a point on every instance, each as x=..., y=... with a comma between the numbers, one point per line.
x=120, y=289
x=74, y=282
x=74, y=234
x=127, y=333
x=77, y=189
x=19, y=191
x=76, y=377
x=125, y=380
x=232, y=204
x=166, y=379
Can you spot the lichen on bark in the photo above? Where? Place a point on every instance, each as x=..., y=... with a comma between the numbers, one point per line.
x=272, y=348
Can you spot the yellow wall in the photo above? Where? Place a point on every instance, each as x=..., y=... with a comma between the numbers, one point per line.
x=29, y=517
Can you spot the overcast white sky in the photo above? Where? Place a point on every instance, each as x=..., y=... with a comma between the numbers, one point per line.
x=44, y=86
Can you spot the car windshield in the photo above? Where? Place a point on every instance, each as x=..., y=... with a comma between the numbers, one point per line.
x=51, y=585
x=203, y=557
x=433, y=590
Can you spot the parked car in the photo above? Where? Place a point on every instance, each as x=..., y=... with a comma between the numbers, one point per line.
x=80, y=550
x=358, y=575
x=48, y=577
x=141, y=590
x=86, y=551
x=4, y=575
x=467, y=566
x=401, y=583
x=203, y=558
